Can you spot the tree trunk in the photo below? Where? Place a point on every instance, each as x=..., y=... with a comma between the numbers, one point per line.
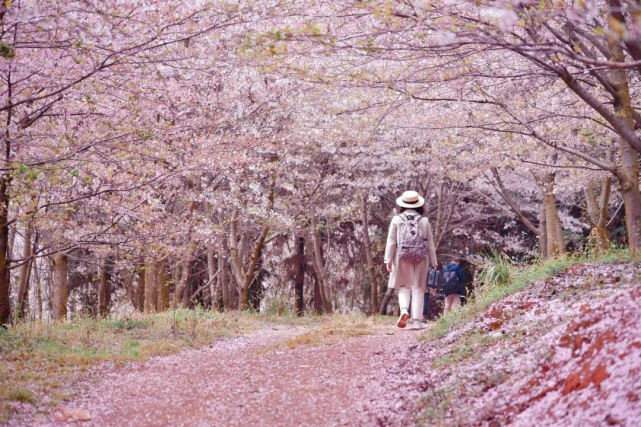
x=185, y=274
x=5, y=304
x=555, y=239
x=140, y=287
x=128, y=283
x=628, y=175
x=5, y=180
x=628, y=178
x=244, y=277
x=386, y=299
x=440, y=205
x=597, y=220
x=318, y=299
x=318, y=285
x=189, y=289
x=632, y=202
x=319, y=266
x=13, y=230
x=543, y=235
x=243, y=298
x=223, y=281
x=238, y=272
x=233, y=293
x=25, y=272
x=151, y=294
x=211, y=271
x=36, y=274
x=60, y=287
x=371, y=268
x=299, y=278
x=104, y=288
x=602, y=224
x=162, y=285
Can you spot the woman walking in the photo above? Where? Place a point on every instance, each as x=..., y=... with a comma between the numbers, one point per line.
x=409, y=253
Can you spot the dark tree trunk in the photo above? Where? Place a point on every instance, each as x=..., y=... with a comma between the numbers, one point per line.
x=223, y=280
x=5, y=303
x=371, y=267
x=104, y=288
x=256, y=286
x=319, y=266
x=299, y=280
x=5, y=282
x=140, y=287
x=386, y=299
x=214, y=290
x=318, y=300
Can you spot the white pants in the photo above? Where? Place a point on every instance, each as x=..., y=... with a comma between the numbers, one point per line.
x=452, y=302
x=417, y=295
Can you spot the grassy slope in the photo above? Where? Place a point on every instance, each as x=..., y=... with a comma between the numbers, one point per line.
x=457, y=347
x=508, y=280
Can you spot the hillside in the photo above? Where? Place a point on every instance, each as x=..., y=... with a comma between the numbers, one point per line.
x=564, y=351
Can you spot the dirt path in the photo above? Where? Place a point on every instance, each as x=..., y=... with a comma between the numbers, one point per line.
x=248, y=381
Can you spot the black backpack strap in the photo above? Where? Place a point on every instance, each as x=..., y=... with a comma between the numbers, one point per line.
x=411, y=217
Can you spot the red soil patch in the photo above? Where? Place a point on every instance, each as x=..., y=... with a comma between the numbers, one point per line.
x=594, y=341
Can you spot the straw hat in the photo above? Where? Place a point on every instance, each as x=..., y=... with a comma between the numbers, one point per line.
x=410, y=199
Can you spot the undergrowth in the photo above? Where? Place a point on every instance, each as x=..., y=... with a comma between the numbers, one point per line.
x=39, y=360
x=498, y=277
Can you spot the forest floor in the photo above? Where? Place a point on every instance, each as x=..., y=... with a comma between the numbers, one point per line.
x=560, y=344
x=327, y=374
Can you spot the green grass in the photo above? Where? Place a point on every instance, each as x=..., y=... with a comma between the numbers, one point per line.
x=468, y=347
x=20, y=395
x=497, y=278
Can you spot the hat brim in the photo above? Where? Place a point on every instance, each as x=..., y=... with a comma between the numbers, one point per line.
x=401, y=203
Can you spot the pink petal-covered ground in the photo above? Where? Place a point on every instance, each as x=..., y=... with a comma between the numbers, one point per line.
x=563, y=352
x=247, y=381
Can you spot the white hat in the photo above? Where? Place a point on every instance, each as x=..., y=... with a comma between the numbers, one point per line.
x=410, y=199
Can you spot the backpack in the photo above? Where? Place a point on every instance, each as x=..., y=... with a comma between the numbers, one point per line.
x=413, y=247
x=432, y=278
x=451, y=283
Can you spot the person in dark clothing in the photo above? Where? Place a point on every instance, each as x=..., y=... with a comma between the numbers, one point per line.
x=453, y=284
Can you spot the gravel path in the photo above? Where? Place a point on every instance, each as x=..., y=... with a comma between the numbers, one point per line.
x=250, y=381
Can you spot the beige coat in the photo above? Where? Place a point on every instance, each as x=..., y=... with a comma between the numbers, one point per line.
x=404, y=274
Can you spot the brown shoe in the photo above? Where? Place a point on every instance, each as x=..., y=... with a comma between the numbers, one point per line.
x=402, y=321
